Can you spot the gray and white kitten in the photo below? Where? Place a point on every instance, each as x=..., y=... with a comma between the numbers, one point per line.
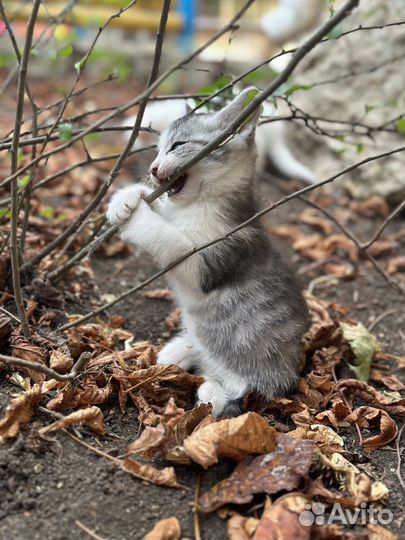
x=243, y=313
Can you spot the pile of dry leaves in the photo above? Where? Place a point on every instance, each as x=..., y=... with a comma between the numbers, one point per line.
x=290, y=450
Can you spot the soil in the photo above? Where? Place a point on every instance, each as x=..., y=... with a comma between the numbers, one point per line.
x=46, y=491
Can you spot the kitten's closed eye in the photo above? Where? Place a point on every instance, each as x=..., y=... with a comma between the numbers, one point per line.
x=175, y=145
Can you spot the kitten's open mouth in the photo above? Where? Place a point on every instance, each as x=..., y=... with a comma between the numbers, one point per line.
x=178, y=185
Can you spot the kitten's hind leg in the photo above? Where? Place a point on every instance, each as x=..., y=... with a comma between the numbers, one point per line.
x=223, y=392
x=179, y=351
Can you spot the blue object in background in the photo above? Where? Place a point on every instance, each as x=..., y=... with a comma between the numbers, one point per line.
x=188, y=11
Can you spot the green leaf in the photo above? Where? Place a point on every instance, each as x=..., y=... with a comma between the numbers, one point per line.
x=359, y=148
x=62, y=217
x=79, y=66
x=47, y=212
x=400, y=125
x=65, y=51
x=336, y=32
x=364, y=345
x=5, y=212
x=24, y=181
x=296, y=87
x=65, y=131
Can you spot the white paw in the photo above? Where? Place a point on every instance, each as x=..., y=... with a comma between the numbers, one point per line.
x=212, y=392
x=124, y=202
x=179, y=352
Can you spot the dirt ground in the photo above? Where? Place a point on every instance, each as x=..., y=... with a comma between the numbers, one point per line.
x=45, y=492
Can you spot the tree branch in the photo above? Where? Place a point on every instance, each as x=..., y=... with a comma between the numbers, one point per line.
x=14, y=242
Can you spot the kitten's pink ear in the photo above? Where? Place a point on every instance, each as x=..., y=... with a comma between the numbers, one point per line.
x=240, y=102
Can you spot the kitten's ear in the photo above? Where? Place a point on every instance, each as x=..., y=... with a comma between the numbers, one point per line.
x=189, y=108
x=235, y=107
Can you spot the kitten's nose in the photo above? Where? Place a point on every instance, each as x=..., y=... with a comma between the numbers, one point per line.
x=153, y=171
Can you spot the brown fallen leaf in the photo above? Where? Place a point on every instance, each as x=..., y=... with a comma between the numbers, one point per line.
x=172, y=321
x=116, y=248
x=167, y=438
x=293, y=234
x=240, y=527
x=165, y=529
x=233, y=438
x=368, y=416
x=160, y=477
x=396, y=264
x=389, y=380
x=159, y=294
x=378, y=532
x=92, y=417
x=380, y=248
x=353, y=387
x=280, y=520
x=270, y=473
x=18, y=413
x=312, y=217
x=372, y=207
x=60, y=362
x=26, y=349
x=5, y=327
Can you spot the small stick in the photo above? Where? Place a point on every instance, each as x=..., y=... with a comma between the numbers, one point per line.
x=197, y=528
x=88, y=531
x=74, y=372
x=398, y=449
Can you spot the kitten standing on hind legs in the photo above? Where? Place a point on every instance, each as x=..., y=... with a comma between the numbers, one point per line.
x=243, y=312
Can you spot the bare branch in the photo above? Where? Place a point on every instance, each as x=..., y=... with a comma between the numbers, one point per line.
x=14, y=242
x=379, y=231
x=36, y=366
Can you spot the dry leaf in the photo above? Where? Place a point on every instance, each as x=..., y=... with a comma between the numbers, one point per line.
x=60, y=362
x=379, y=248
x=116, y=248
x=280, y=470
x=5, y=327
x=92, y=417
x=165, y=529
x=293, y=234
x=167, y=438
x=351, y=387
x=378, y=532
x=173, y=320
x=367, y=416
x=240, y=527
x=391, y=381
x=312, y=217
x=233, y=438
x=159, y=294
x=280, y=520
x=160, y=477
x=372, y=207
x=18, y=413
x=396, y=264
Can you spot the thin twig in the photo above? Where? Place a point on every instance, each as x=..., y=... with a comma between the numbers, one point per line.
x=377, y=234
x=196, y=520
x=349, y=234
x=78, y=367
x=382, y=316
x=399, y=458
x=88, y=531
x=256, y=216
x=138, y=99
x=14, y=241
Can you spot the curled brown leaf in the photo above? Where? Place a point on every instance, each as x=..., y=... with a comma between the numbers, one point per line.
x=233, y=438
x=92, y=417
x=160, y=477
x=368, y=416
x=270, y=473
x=165, y=529
x=19, y=412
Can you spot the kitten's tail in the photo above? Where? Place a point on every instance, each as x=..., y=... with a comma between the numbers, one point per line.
x=272, y=144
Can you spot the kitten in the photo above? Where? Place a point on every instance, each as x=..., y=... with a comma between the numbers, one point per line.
x=243, y=313
x=271, y=137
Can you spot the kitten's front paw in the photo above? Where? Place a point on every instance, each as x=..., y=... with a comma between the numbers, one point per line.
x=124, y=202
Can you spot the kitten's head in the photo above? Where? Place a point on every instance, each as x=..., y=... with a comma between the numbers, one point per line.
x=223, y=170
